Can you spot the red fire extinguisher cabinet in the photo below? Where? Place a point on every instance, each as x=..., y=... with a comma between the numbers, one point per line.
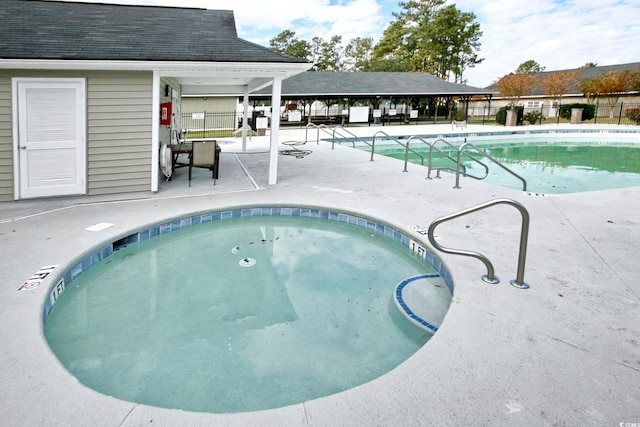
x=165, y=113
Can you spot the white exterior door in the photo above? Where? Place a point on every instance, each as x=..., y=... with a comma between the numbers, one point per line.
x=50, y=137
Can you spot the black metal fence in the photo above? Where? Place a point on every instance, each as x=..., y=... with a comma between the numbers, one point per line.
x=207, y=124
x=223, y=124
x=620, y=113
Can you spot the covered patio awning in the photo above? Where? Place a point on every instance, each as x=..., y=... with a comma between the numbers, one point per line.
x=231, y=79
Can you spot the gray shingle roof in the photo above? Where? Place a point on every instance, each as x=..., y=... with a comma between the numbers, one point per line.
x=327, y=84
x=41, y=30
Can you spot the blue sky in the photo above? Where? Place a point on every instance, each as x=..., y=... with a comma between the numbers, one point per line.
x=558, y=34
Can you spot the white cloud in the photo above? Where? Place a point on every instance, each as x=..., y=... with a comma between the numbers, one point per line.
x=307, y=18
x=556, y=34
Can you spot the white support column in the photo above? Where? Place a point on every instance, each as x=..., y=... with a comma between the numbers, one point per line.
x=155, y=132
x=275, y=129
x=245, y=117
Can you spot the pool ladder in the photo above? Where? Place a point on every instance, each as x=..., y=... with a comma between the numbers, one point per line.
x=460, y=168
x=490, y=277
x=335, y=132
x=397, y=141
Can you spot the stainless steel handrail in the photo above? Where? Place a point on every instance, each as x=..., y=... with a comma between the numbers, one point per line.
x=334, y=130
x=342, y=128
x=490, y=277
x=406, y=148
x=373, y=142
x=496, y=161
x=406, y=151
x=318, y=127
x=350, y=134
x=457, y=161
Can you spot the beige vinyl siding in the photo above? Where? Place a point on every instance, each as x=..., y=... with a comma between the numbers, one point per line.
x=6, y=141
x=119, y=126
x=210, y=104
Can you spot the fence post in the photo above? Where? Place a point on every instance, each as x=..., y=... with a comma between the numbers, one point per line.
x=620, y=115
x=595, y=115
x=541, y=114
x=204, y=122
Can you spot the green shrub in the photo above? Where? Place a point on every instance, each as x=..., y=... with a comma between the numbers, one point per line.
x=501, y=115
x=458, y=115
x=588, y=111
x=534, y=117
x=633, y=114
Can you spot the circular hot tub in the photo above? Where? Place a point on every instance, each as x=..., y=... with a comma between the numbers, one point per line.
x=242, y=310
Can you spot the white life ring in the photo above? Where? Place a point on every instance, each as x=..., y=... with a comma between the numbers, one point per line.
x=166, y=161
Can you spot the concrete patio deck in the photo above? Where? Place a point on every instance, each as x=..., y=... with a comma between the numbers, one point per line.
x=564, y=352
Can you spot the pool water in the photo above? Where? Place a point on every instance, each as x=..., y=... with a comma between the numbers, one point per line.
x=239, y=315
x=551, y=166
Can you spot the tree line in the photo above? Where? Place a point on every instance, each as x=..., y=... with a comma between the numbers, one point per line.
x=528, y=78
x=423, y=36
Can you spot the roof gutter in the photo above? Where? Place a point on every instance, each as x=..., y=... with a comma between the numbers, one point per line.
x=168, y=68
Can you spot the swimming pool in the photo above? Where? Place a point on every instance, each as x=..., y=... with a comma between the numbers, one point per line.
x=240, y=310
x=550, y=163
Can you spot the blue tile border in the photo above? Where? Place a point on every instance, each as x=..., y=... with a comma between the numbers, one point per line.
x=122, y=243
x=404, y=308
